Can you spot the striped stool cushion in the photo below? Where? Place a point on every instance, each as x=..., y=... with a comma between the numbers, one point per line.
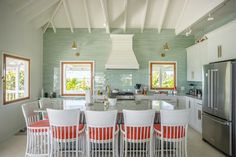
x=67, y=132
x=136, y=133
x=171, y=132
x=102, y=133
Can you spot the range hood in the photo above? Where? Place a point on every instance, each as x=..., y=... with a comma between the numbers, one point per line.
x=122, y=55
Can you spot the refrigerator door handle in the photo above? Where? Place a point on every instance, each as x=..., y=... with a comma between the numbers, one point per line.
x=215, y=105
x=209, y=89
x=217, y=121
x=212, y=89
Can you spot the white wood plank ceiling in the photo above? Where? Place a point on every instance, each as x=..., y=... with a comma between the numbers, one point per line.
x=107, y=14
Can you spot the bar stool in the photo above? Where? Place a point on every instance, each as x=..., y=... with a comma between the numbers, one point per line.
x=137, y=133
x=101, y=133
x=171, y=134
x=67, y=135
x=37, y=131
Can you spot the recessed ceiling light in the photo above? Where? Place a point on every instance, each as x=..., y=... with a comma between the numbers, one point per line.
x=210, y=18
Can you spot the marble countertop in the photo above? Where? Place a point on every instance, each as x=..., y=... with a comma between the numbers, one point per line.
x=121, y=105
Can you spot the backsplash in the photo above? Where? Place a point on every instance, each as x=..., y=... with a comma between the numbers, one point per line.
x=96, y=47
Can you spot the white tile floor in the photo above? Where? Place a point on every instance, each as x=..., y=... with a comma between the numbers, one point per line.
x=15, y=147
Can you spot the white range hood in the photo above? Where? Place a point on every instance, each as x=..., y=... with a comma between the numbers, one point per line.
x=122, y=55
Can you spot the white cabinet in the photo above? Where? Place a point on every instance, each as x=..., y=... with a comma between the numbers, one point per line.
x=221, y=43
x=196, y=58
x=198, y=114
x=195, y=116
x=181, y=104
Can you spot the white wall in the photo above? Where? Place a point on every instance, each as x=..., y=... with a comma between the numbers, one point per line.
x=20, y=38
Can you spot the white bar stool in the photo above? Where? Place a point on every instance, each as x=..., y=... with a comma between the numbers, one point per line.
x=137, y=133
x=171, y=134
x=101, y=133
x=37, y=131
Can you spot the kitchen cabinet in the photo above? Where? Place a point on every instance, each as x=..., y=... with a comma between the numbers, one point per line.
x=221, y=43
x=195, y=116
x=181, y=102
x=196, y=58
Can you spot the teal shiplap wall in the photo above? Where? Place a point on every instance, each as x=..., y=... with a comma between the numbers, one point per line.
x=96, y=47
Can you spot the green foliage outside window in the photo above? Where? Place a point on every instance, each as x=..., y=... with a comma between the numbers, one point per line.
x=76, y=84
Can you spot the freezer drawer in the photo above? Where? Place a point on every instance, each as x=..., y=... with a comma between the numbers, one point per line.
x=217, y=132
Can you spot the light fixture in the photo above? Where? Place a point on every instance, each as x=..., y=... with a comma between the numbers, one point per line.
x=166, y=47
x=210, y=18
x=188, y=32
x=74, y=45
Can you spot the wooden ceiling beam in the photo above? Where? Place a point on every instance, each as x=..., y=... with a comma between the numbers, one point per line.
x=68, y=16
x=105, y=13
x=87, y=15
x=144, y=15
x=181, y=15
x=125, y=15
x=33, y=16
x=53, y=15
x=163, y=15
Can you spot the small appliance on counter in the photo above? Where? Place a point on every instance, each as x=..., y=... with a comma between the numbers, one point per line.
x=138, y=89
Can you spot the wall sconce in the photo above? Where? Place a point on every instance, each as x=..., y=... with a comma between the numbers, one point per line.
x=166, y=47
x=74, y=45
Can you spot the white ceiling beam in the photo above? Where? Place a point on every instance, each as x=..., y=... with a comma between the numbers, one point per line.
x=87, y=15
x=163, y=15
x=53, y=15
x=125, y=15
x=181, y=15
x=105, y=12
x=53, y=27
x=32, y=17
x=23, y=6
x=46, y=27
x=144, y=15
x=68, y=16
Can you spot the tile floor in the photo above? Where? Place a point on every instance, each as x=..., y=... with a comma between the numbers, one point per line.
x=15, y=147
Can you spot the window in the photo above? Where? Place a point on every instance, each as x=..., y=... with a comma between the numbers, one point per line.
x=16, y=85
x=162, y=75
x=76, y=77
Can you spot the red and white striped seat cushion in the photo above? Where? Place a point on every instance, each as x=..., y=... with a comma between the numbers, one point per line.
x=102, y=133
x=136, y=133
x=171, y=132
x=39, y=126
x=65, y=132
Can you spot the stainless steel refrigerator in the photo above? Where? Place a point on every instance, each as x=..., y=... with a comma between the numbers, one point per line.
x=218, y=120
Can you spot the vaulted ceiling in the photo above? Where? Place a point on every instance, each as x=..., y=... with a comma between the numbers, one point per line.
x=159, y=14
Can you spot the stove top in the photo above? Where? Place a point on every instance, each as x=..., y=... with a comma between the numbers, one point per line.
x=125, y=96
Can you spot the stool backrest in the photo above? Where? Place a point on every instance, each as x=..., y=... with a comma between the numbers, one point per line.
x=29, y=112
x=174, y=117
x=139, y=117
x=63, y=117
x=101, y=125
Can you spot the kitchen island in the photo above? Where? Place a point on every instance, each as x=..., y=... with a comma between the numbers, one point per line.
x=121, y=105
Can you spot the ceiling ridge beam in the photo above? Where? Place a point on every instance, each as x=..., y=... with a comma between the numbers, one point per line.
x=43, y=10
x=68, y=16
x=23, y=6
x=53, y=15
x=144, y=15
x=87, y=15
x=181, y=15
x=105, y=12
x=125, y=15
x=163, y=15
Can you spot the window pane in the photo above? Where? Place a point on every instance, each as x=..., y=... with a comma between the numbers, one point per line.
x=16, y=78
x=162, y=75
x=76, y=78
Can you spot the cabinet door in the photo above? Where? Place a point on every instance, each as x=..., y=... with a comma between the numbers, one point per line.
x=190, y=105
x=221, y=43
x=196, y=58
x=181, y=102
x=198, y=114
